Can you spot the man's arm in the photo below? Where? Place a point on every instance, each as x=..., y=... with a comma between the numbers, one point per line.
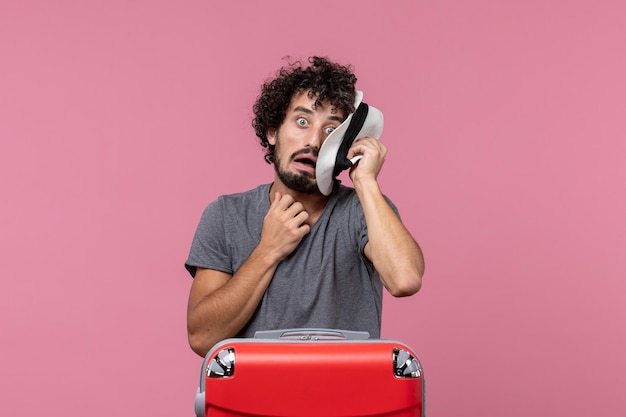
x=220, y=305
x=391, y=248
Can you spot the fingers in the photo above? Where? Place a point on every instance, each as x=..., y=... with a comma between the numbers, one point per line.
x=285, y=224
x=372, y=154
x=371, y=146
x=290, y=208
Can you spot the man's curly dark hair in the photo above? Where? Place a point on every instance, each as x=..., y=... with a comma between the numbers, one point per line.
x=325, y=81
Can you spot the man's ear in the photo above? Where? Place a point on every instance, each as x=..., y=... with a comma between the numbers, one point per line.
x=271, y=136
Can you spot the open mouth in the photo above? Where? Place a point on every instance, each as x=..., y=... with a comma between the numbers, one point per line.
x=305, y=161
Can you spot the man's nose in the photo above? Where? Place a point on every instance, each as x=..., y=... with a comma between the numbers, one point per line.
x=315, y=138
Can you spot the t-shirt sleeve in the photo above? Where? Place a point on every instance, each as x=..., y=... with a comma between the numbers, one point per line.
x=209, y=248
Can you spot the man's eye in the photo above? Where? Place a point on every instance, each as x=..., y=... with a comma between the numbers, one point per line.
x=329, y=130
x=302, y=121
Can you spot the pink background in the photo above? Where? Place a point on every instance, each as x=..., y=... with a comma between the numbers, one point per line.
x=505, y=120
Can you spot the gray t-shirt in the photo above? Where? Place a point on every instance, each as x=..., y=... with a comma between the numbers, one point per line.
x=326, y=282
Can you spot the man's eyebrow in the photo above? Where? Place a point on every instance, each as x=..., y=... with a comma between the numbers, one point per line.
x=302, y=109
x=309, y=111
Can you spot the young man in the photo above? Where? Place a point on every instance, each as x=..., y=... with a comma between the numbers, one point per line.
x=283, y=255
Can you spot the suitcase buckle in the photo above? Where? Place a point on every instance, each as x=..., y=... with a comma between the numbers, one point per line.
x=223, y=364
x=405, y=365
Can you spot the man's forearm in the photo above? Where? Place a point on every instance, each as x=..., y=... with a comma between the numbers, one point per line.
x=391, y=248
x=224, y=311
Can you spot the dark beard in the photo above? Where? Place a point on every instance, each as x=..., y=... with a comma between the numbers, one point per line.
x=302, y=183
x=296, y=182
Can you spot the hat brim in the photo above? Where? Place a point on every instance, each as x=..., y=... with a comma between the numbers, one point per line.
x=327, y=157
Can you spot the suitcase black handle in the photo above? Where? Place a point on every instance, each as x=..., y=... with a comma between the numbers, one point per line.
x=312, y=334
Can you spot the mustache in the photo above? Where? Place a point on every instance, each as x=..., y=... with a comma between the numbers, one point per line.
x=304, y=151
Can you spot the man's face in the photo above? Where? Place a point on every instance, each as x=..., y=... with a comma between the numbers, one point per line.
x=299, y=139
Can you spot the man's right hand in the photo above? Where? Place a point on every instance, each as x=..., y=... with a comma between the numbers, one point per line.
x=284, y=226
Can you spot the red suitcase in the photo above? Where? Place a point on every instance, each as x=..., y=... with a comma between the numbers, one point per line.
x=310, y=372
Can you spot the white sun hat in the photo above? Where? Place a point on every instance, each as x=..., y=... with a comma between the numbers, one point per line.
x=366, y=121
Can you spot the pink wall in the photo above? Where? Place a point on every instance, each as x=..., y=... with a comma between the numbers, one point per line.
x=120, y=120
